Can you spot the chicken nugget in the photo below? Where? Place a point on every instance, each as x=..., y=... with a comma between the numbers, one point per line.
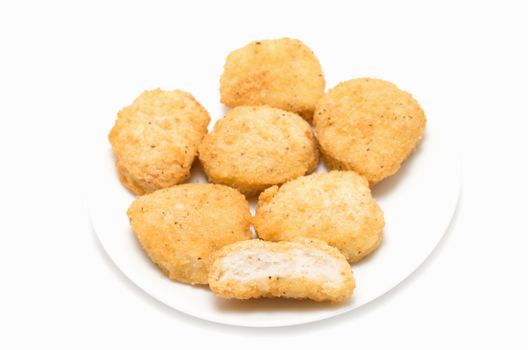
x=282, y=73
x=156, y=138
x=304, y=269
x=336, y=207
x=180, y=227
x=369, y=126
x=253, y=148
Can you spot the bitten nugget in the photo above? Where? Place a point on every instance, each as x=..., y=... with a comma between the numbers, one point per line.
x=253, y=148
x=282, y=73
x=369, y=126
x=305, y=269
x=336, y=207
x=181, y=226
x=156, y=138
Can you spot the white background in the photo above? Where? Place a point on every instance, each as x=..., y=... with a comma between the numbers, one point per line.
x=58, y=61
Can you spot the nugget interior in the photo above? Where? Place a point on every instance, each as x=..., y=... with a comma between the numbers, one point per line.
x=257, y=264
x=303, y=269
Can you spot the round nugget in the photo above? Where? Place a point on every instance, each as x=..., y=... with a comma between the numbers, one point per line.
x=304, y=269
x=336, y=207
x=253, y=148
x=369, y=126
x=282, y=73
x=182, y=226
x=156, y=138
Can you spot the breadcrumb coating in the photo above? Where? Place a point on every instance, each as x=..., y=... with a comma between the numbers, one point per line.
x=369, y=126
x=180, y=227
x=156, y=138
x=253, y=148
x=336, y=207
x=282, y=73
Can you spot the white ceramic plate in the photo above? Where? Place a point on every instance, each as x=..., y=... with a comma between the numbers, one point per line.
x=418, y=202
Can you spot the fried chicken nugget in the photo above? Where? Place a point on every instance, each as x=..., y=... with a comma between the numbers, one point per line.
x=369, y=126
x=253, y=148
x=336, y=207
x=282, y=73
x=156, y=138
x=304, y=269
x=180, y=227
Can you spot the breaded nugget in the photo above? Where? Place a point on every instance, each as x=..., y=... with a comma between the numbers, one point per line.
x=282, y=73
x=156, y=138
x=304, y=269
x=253, y=148
x=336, y=207
x=181, y=226
x=369, y=126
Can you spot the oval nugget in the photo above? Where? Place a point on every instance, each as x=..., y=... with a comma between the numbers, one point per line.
x=305, y=269
x=336, y=207
x=156, y=138
x=253, y=148
x=181, y=226
x=282, y=73
x=369, y=126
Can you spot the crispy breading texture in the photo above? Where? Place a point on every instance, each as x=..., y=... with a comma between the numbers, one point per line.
x=302, y=269
x=156, y=138
x=253, y=148
x=282, y=73
x=336, y=207
x=181, y=226
x=369, y=126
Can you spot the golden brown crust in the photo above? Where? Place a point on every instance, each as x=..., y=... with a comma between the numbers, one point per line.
x=282, y=73
x=369, y=126
x=286, y=282
x=253, y=148
x=336, y=207
x=181, y=226
x=156, y=138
